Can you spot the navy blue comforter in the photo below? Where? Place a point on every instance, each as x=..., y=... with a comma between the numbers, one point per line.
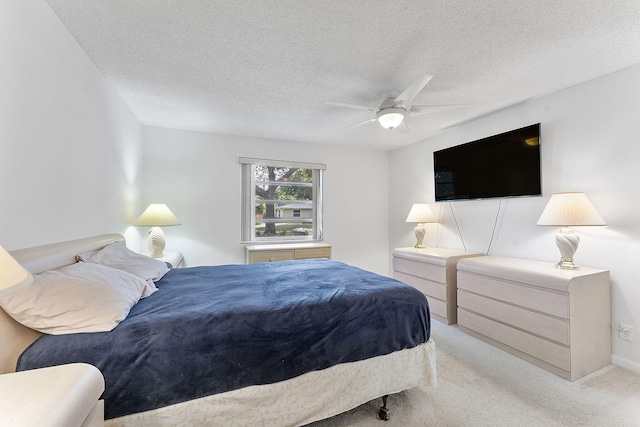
x=214, y=329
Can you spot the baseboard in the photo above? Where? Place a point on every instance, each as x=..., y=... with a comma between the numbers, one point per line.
x=625, y=363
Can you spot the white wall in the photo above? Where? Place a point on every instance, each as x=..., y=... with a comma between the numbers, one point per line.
x=198, y=176
x=70, y=149
x=71, y=158
x=589, y=143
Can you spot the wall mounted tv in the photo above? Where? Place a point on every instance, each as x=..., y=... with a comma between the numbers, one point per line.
x=505, y=165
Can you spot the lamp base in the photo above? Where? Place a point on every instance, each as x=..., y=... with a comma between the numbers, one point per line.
x=419, y=232
x=567, y=241
x=567, y=264
x=156, y=242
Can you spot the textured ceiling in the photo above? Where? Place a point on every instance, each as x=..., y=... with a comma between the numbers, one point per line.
x=266, y=68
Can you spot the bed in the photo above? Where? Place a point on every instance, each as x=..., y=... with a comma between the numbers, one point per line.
x=321, y=366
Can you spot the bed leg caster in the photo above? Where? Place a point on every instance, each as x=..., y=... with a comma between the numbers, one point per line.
x=384, y=411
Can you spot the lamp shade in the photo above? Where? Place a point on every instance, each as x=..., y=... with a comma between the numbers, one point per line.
x=570, y=209
x=13, y=276
x=157, y=215
x=421, y=212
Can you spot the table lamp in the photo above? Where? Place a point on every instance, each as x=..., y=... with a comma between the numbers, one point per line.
x=420, y=213
x=566, y=210
x=155, y=216
x=13, y=276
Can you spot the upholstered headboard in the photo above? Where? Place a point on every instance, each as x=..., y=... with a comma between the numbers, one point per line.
x=16, y=337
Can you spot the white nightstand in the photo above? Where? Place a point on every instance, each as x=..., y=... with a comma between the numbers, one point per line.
x=65, y=395
x=432, y=271
x=173, y=258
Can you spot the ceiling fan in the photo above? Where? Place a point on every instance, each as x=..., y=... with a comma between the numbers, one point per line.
x=394, y=109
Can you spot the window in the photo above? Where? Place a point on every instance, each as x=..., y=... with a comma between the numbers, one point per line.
x=281, y=200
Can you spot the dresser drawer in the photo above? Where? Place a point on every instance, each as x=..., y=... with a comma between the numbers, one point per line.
x=286, y=252
x=427, y=287
x=270, y=256
x=435, y=292
x=534, y=298
x=306, y=253
x=546, y=351
x=438, y=308
x=540, y=324
x=436, y=273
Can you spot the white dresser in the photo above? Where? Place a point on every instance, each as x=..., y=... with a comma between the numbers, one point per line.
x=433, y=272
x=286, y=252
x=556, y=319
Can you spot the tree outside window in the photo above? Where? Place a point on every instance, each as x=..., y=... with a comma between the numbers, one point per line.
x=285, y=200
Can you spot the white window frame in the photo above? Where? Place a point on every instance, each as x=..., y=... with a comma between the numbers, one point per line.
x=249, y=198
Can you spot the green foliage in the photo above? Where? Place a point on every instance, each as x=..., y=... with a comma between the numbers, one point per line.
x=295, y=192
x=266, y=191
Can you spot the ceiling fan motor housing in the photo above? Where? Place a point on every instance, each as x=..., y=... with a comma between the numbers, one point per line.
x=395, y=107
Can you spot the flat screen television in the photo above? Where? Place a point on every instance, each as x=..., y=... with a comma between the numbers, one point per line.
x=504, y=165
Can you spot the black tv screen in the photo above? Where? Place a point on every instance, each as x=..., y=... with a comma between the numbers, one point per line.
x=505, y=165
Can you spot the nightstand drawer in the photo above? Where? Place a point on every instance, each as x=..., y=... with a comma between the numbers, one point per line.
x=534, y=298
x=438, y=308
x=306, y=253
x=540, y=324
x=436, y=273
x=546, y=351
x=427, y=287
x=270, y=256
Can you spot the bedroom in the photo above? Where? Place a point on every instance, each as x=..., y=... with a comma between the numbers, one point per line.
x=77, y=162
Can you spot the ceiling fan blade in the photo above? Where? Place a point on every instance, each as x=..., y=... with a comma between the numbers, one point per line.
x=406, y=97
x=404, y=127
x=358, y=124
x=419, y=110
x=346, y=104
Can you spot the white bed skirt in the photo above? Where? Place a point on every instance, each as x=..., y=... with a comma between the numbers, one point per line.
x=301, y=400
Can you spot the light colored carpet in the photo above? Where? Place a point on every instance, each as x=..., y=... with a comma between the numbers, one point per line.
x=480, y=385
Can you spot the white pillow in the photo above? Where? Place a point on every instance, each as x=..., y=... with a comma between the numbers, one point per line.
x=77, y=298
x=117, y=255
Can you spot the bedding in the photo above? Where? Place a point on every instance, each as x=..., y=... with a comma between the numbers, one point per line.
x=117, y=255
x=210, y=330
x=74, y=299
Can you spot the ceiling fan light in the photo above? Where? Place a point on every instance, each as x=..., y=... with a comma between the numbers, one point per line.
x=390, y=118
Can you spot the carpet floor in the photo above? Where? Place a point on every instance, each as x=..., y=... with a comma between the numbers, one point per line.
x=480, y=385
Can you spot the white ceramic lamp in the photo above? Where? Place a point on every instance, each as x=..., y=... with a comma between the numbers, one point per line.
x=420, y=213
x=155, y=216
x=13, y=276
x=566, y=210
